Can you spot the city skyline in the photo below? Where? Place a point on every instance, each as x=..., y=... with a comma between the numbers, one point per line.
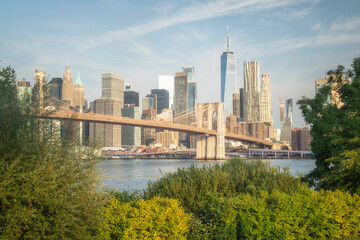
x=296, y=42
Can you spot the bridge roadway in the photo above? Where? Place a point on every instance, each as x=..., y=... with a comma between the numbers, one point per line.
x=99, y=118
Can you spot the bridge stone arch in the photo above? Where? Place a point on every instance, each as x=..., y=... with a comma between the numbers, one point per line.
x=211, y=147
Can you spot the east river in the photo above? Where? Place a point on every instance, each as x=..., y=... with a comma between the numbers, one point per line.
x=134, y=174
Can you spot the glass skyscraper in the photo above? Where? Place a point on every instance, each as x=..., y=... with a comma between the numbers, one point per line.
x=191, y=82
x=289, y=110
x=228, y=78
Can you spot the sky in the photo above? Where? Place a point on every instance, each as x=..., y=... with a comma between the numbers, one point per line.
x=296, y=41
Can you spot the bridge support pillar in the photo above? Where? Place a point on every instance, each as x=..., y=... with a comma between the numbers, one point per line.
x=211, y=116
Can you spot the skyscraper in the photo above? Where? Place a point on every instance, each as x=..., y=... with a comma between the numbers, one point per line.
x=39, y=85
x=252, y=91
x=228, y=77
x=192, y=88
x=265, y=106
x=181, y=92
x=236, y=104
x=289, y=110
x=130, y=136
x=131, y=97
x=67, y=87
x=242, y=104
x=113, y=86
x=167, y=82
x=162, y=99
x=282, y=118
x=55, y=87
x=78, y=92
x=111, y=103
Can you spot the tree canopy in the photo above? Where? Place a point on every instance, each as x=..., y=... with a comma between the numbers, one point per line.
x=335, y=130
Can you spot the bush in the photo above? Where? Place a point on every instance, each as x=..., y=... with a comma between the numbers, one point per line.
x=158, y=218
x=191, y=186
x=47, y=189
x=302, y=215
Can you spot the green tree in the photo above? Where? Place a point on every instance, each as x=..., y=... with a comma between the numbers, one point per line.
x=335, y=131
x=48, y=190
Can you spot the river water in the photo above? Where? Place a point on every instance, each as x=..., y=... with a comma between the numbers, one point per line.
x=134, y=174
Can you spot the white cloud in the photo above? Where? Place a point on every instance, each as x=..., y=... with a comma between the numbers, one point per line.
x=197, y=12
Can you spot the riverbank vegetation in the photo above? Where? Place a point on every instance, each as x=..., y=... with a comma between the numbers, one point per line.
x=48, y=190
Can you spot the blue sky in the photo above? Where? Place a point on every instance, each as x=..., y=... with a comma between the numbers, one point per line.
x=296, y=41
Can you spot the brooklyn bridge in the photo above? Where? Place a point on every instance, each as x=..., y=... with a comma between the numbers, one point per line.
x=206, y=121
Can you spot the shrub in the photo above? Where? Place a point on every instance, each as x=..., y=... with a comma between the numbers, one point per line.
x=191, y=186
x=47, y=189
x=158, y=218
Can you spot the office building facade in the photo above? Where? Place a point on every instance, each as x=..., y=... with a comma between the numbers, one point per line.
x=55, y=88
x=67, y=87
x=252, y=91
x=131, y=98
x=78, y=93
x=181, y=92
x=265, y=106
x=192, y=87
x=228, y=77
x=162, y=99
x=131, y=136
x=113, y=87
x=148, y=135
x=236, y=104
x=241, y=104
x=289, y=110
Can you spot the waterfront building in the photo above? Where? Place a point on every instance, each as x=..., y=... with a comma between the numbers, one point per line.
x=301, y=139
x=236, y=104
x=55, y=88
x=167, y=82
x=265, y=106
x=131, y=136
x=191, y=83
x=289, y=110
x=162, y=99
x=67, y=87
x=252, y=91
x=78, y=93
x=228, y=77
x=181, y=92
x=168, y=138
x=113, y=87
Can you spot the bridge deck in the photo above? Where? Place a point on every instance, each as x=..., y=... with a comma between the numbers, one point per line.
x=99, y=118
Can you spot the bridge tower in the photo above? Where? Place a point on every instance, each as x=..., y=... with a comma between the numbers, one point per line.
x=210, y=116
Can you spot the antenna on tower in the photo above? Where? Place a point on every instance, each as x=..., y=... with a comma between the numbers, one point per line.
x=67, y=60
x=228, y=44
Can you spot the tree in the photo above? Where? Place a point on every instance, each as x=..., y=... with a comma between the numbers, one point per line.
x=48, y=190
x=335, y=131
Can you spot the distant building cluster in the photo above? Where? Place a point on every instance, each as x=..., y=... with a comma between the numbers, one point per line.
x=247, y=110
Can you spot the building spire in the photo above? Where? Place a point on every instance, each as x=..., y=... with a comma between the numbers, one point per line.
x=67, y=63
x=227, y=42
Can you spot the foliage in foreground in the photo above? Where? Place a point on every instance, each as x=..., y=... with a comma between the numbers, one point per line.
x=158, y=218
x=335, y=131
x=191, y=186
x=47, y=189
